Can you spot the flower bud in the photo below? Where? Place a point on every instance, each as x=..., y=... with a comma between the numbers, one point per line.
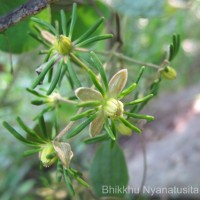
x=63, y=45
x=114, y=108
x=169, y=73
x=47, y=150
x=124, y=130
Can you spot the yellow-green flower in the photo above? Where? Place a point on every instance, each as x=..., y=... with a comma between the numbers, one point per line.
x=109, y=106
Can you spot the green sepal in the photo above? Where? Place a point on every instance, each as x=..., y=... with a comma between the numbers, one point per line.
x=98, y=138
x=143, y=99
x=43, y=23
x=80, y=127
x=44, y=72
x=91, y=30
x=138, y=116
x=73, y=20
x=129, y=125
x=55, y=78
x=95, y=39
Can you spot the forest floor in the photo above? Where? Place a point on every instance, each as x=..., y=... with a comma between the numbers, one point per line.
x=172, y=144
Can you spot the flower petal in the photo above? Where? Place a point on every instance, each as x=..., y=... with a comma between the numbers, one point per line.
x=117, y=82
x=88, y=94
x=96, y=125
x=48, y=36
x=64, y=152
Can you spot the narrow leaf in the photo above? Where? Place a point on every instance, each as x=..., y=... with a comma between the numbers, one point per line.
x=31, y=152
x=82, y=115
x=129, y=125
x=94, y=39
x=109, y=130
x=68, y=183
x=43, y=126
x=98, y=138
x=127, y=91
x=63, y=22
x=91, y=30
x=138, y=116
x=80, y=127
x=44, y=72
x=15, y=133
x=55, y=79
x=47, y=25
x=140, y=74
x=143, y=99
x=72, y=74
x=100, y=68
x=89, y=104
x=73, y=21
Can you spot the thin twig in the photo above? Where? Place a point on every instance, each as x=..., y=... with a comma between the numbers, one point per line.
x=25, y=10
x=121, y=56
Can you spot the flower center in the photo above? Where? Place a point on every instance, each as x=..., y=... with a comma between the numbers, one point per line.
x=63, y=45
x=114, y=108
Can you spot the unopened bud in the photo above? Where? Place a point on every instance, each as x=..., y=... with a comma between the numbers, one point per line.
x=44, y=155
x=63, y=45
x=114, y=108
x=169, y=73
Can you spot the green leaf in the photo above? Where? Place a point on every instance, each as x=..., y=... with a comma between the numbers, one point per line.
x=28, y=130
x=55, y=78
x=100, y=68
x=89, y=31
x=16, y=134
x=109, y=130
x=108, y=169
x=63, y=22
x=73, y=21
x=140, y=74
x=48, y=66
x=89, y=104
x=42, y=126
x=94, y=39
x=80, y=127
x=82, y=115
x=138, y=116
x=98, y=138
x=68, y=183
x=127, y=91
x=31, y=152
x=46, y=24
x=143, y=99
x=16, y=39
x=129, y=125
x=72, y=74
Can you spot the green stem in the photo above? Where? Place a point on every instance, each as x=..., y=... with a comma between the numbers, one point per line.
x=121, y=56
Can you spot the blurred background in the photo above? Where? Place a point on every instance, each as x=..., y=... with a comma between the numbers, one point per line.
x=172, y=142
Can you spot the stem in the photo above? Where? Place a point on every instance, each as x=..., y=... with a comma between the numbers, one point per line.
x=121, y=56
x=79, y=62
x=66, y=100
x=67, y=128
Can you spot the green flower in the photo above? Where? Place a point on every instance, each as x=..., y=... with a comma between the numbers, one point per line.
x=109, y=105
x=62, y=48
x=49, y=150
